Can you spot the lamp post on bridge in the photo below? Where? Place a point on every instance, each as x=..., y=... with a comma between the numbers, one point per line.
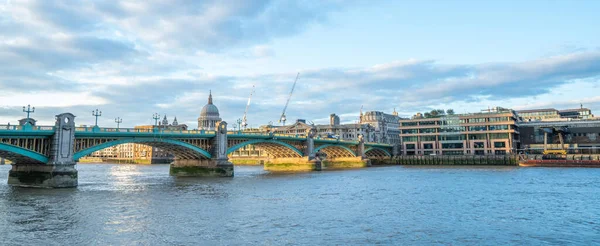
x=96, y=114
x=28, y=111
x=118, y=120
x=239, y=121
x=156, y=117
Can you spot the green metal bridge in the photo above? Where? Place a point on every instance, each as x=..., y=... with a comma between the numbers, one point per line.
x=33, y=144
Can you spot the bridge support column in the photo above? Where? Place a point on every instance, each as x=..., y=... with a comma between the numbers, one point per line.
x=345, y=162
x=218, y=166
x=60, y=170
x=298, y=164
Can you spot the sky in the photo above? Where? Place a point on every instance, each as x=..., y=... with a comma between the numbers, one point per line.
x=131, y=59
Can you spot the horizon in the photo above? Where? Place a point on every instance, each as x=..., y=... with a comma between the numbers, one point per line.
x=132, y=59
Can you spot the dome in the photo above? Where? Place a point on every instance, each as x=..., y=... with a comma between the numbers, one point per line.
x=209, y=110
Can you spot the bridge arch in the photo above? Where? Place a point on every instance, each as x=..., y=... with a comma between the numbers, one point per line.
x=21, y=155
x=273, y=147
x=377, y=152
x=178, y=148
x=334, y=150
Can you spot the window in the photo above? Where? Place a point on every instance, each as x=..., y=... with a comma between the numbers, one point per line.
x=479, y=152
x=427, y=146
x=426, y=123
x=453, y=129
x=477, y=128
x=428, y=130
x=477, y=120
x=499, y=127
x=409, y=139
x=499, y=144
x=477, y=137
x=499, y=136
x=409, y=123
x=452, y=145
x=410, y=146
x=428, y=138
x=452, y=137
x=478, y=145
x=499, y=119
x=410, y=131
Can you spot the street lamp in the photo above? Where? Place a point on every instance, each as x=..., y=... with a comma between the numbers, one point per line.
x=97, y=113
x=155, y=117
x=28, y=111
x=239, y=121
x=118, y=120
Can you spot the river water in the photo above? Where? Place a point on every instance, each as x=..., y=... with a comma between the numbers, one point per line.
x=143, y=205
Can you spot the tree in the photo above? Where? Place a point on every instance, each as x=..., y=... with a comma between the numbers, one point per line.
x=427, y=115
x=450, y=111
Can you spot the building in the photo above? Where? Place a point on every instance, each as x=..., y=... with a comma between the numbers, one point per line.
x=551, y=114
x=209, y=116
x=538, y=114
x=578, y=136
x=386, y=126
x=577, y=113
x=486, y=133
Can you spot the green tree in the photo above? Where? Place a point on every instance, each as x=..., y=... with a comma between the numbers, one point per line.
x=450, y=111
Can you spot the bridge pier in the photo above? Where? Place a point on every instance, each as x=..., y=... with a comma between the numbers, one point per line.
x=43, y=176
x=346, y=162
x=297, y=164
x=60, y=170
x=218, y=166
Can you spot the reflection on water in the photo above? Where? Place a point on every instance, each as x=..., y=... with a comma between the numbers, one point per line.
x=135, y=204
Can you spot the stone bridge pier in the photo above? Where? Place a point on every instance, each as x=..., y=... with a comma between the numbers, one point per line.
x=60, y=170
x=217, y=166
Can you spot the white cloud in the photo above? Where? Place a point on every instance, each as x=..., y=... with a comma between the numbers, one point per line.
x=50, y=99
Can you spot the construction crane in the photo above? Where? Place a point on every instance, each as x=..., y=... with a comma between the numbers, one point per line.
x=244, y=120
x=282, y=118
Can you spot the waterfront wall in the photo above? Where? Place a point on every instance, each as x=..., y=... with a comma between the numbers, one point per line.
x=298, y=164
x=501, y=160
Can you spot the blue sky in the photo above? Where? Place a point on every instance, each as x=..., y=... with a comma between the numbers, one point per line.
x=131, y=59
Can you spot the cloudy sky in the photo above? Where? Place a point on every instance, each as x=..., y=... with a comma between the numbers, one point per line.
x=131, y=59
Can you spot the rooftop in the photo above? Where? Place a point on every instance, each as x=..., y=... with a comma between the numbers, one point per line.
x=536, y=110
x=574, y=110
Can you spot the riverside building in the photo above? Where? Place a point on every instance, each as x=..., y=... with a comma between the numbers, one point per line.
x=486, y=133
x=551, y=114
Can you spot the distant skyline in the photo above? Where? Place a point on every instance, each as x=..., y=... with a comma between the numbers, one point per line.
x=131, y=59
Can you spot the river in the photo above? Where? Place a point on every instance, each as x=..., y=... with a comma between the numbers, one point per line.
x=395, y=205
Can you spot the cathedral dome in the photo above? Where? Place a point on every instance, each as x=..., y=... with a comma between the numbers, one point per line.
x=209, y=109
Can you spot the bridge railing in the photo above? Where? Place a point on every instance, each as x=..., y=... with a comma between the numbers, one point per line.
x=134, y=130
x=32, y=128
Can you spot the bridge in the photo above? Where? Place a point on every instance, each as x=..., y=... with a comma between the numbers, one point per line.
x=45, y=156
